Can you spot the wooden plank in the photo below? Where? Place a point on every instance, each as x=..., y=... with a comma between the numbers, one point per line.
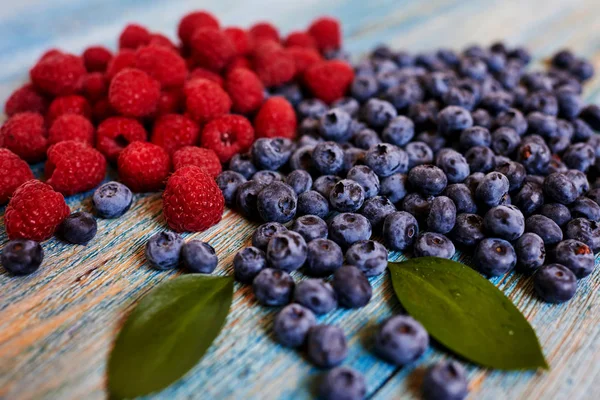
x=57, y=326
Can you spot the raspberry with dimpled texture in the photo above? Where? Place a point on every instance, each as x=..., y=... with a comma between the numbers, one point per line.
x=125, y=58
x=239, y=38
x=327, y=33
x=169, y=102
x=205, y=100
x=262, y=31
x=239, y=62
x=25, y=135
x=304, y=58
x=162, y=64
x=245, y=90
x=115, y=133
x=205, y=159
x=68, y=105
x=227, y=135
x=96, y=58
x=25, y=99
x=94, y=86
x=158, y=39
x=204, y=73
x=212, y=48
x=300, y=39
x=74, y=167
x=192, y=201
x=276, y=118
x=34, y=212
x=174, y=131
x=193, y=21
x=144, y=167
x=133, y=93
x=13, y=173
x=58, y=74
x=273, y=64
x=71, y=127
x=134, y=36
x=329, y=80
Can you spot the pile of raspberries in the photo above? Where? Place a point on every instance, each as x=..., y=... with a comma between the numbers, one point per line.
x=155, y=106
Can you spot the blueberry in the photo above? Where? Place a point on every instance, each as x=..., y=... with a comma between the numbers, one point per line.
x=347, y=196
x=242, y=164
x=325, y=183
x=427, y=179
x=569, y=103
x=277, y=203
x=418, y=153
x=324, y=257
x=480, y=159
x=576, y=256
x=431, y=244
x=309, y=130
x=472, y=181
x=401, y=340
x=505, y=222
x=356, y=126
x=563, y=59
x=348, y=104
x=404, y=95
x=366, y=178
x=264, y=233
x=246, y=198
x=453, y=119
x=468, y=230
x=78, y=228
x=302, y=157
x=364, y=87
x=438, y=83
x=112, y=199
x=316, y=295
x=386, y=159
x=348, y=228
x=580, y=156
x=542, y=101
x=559, y=188
x=497, y=101
x=494, y=257
x=475, y=136
x=399, y=131
x=271, y=153
x=521, y=54
x=292, y=324
x=579, y=179
x=472, y=67
x=585, y=231
x=335, y=125
x=267, y=177
x=542, y=124
x=299, y=180
x=514, y=172
x=434, y=140
x=328, y=158
x=442, y=215
x=394, y=187
x=312, y=203
x=594, y=194
x=582, y=70
x=352, y=157
x=535, y=156
x=481, y=119
x=446, y=380
x=512, y=118
x=365, y=139
x=529, y=198
x=531, y=252
x=492, y=190
x=505, y=141
x=312, y=108
x=163, y=250
x=368, y=256
x=462, y=197
x=310, y=227
x=423, y=115
x=555, y=283
x=247, y=263
x=343, y=383
x=403, y=59
x=585, y=208
x=453, y=164
x=559, y=213
x=273, y=287
x=286, y=251
x=228, y=182
x=21, y=256
x=590, y=114
x=582, y=132
x=417, y=205
x=376, y=209
x=378, y=113
x=199, y=257
x=326, y=346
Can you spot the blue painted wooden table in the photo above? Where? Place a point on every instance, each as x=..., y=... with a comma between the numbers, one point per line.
x=57, y=326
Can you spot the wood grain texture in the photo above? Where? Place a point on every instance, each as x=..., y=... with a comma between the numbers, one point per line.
x=57, y=326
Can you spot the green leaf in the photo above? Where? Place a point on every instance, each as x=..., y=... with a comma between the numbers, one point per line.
x=167, y=333
x=466, y=313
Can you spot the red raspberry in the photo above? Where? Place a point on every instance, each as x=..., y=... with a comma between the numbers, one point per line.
x=68, y=105
x=94, y=86
x=212, y=48
x=144, y=167
x=205, y=74
x=206, y=159
x=71, y=127
x=239, y=62
x=276, y=118
x=162, y=64
x=102, y=110
x=34, y=212
x=193, y=21
x=205, y=100
x=123, y=59
x=245, y=89
x=227, y=135
x=25, y=99
x=25, y=135
x=264, y=31
x=192, y=201
x=273, y=64
x=50, y=53
x=327, y=33
x=157, y=39
x=96, y=58
x=303, y=58
x=115, y=133
x=170, y=102
x=74, y=167
x=58, y=74
x=173, y=131
x=133, y=93
x=239, y=38
x=134, y=36
x=329, y=80
x=13, y=173
x=300, y=39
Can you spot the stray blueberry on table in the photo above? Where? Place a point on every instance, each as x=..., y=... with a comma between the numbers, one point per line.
x=368, y=256
x=324, y=257
x=277, y=202
x=505, y=222
x=494, y=257
x=352, y=287
x=431, y=244
x=545, y=228
x=112, y=199
x=273, y=287
x=316, y=295
x=401, y=340
x=263, y=234
x=247, y=263
x=312, y=203
x=286, y=251
x=310, y=227
x=163, y=250
x=343, y=383
x=292, y=324
x=348, y=228
x=326, y=346
x=576, y=256
x=21, y=256
x=531, y=252
x=78, y=228
x=447, y=380
x=198, y=256
x=555, y=283
x=347, y=196
x=468, y=230
x=228, y=182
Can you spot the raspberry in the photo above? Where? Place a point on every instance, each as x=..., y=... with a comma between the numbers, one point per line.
x=157, y=39
x=102, y=110
x=13, y=173
x=134, y=36
x=205, y=74
x=193, y=21
x=50, y=53
x=25, y=99
x=192, y=201
x=206, y=159
x=94, y=86
x=144, y=167
x=123, y=59
x=205, y=100
x=212, y=48
x=58, y=74
x=264, y=31
x=329, y=80
x=115, y=133
x=173, y=131
x=245, y=90
x=327, y=33
x=25, y=135
x=169, y=102
x=68, y=105
x=74, y=167
x=162, y=64
x=71, y=127
x=276, y=118
x=300, y=39
x=96, y=58
x=239, y=38
x=273, y=64
x=133, y=93
x=34, y=212
x=227, y=135
x=239, y=62
x=303, y=58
